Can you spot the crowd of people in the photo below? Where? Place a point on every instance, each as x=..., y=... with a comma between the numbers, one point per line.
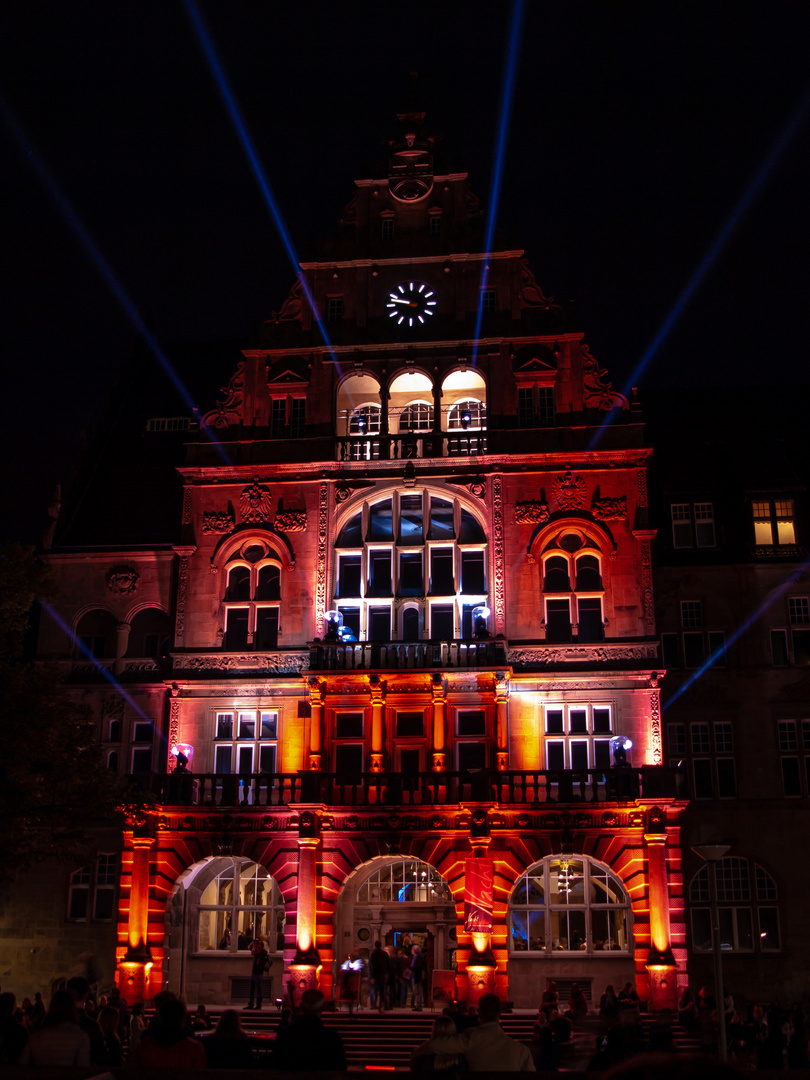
x=78, y=1029
x=396, y=977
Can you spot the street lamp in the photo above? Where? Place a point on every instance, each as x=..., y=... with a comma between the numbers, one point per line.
x=712, y=854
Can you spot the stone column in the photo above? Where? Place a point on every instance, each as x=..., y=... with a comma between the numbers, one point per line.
x=316, y=695
x=303, y=973
x=377, y=724
x=502, y=720
x=660, y=961
x=439, y=704
x=134, y=969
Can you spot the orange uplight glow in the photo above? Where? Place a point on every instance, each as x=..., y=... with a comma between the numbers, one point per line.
x=480, y=941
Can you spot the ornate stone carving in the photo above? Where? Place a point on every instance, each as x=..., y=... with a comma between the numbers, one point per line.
x=647, y=586
x=291, y=308
x=478, y=489
x=123, y=580
x=531, y=512
x=174, y=726
x=610, y=509
x=275, y=663
x=182, y=591
x=579, y=654
x=531, y=293
x=229, y=410
x=342, y=492
x=218, y=521
x=320, y=580
x=291, y=521
x=641, y=486
x=498, y=552
x=112, y=708
x=598, y=391
x=569, y=491
x=254, y=503
x=188, y=494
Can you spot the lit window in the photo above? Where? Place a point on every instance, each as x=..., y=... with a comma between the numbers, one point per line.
x=246, y=742
x=252, y=594
x=569, y=904
x=240, y=903
x=578, y=736
x=416, y=417
x=571, y=564
x=774, y=522
x=404, y=881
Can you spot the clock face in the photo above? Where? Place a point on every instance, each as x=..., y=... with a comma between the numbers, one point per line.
x=412, y=303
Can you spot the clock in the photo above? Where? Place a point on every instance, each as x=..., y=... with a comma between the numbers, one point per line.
x=411, y=304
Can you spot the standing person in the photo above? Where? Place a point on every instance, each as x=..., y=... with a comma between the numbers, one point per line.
x=109, y=1020
x=259, y=968
x=609, y=1005
x=379, y=964
x=550, y=1001
x=137, y=1026
x=403, y=977
x=628, y=997
x=418, y=971
x=306, y=1045
x=80, y=988
x=60, y=1040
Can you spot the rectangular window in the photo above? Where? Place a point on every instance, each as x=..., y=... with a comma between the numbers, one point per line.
x=601, y=720
x=222, y=760
x=578, y=721
x=471, y=722
x=244, y=757
x=558, y=621
x=676, y=739
x=351, y=620
x=410, y=519
x=236, y=629
x=379, y=573
x=349, y=575
x=525, y=405
x=774, y=522
x=379, y=624
x=441, y=520
x=334, y=308
x=410, y=574
x=681, y=525
x=471, y=756
x=555, y=755
x=467, y=620
x=349, y=726
x=349, y=762
x=387, y=229
x=554, y=722
x=726, y=778
x=779, y=649
x=472, y=572
x=441, y=622
x=579, y=754
x=410, y=724
x=704, y=525
x=268, y=722
x=142, y=731
x=224, y=726
x=700, y=738
x=670, y=650
x=381, y=521
x=799, y=607
x=267, y=759
x=298, y=417
x=723, y=737
x=489, y=300
x=247, y=725
x=278, y=417
x=769, y=940
x=79, y=893
x=701, y=930
x=545, y=406
x=693, y=655
x=763, y=532
x=266, y=636
x=787, y=736
x=785, y=529
x=589, y=620
x=435, y=225
x=703, y=778
x=806, y=735
x=717, y=648
x=410, y=762
x=441, y=572
x=142, y=760
x=691, y=613
x=801, y=647
x=791, y=777
x=106, y=877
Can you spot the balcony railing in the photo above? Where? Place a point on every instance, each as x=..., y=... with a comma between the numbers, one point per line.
x=364, y=655
x=427, y=444
x=503, y=788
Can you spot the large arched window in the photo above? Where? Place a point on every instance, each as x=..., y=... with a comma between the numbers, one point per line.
x=569, y=904
x=242, y=902
x=464, y=396
x=252, y=595
x=406, y=881
x=97, y=634
x=418, y=546
x=747, y=913
x=150, y=634
x=573, y=594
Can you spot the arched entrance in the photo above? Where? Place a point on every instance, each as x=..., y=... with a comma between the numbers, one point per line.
x=216, y=909
x=400, y=901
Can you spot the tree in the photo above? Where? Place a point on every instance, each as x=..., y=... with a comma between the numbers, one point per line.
x=53, y=784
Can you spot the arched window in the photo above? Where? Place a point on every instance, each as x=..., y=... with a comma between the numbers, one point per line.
x=150, y=634
x=97, y=634
x=406, y=881
x=570, y=556
x=252, y=594
x=411, y=545
x=418, y=416
x=748, y=917
x=242, y=902
x=569, y=904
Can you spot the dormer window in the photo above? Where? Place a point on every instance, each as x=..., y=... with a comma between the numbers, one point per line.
x=774, y=522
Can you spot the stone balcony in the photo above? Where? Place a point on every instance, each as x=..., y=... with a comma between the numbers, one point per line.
x=512, y=788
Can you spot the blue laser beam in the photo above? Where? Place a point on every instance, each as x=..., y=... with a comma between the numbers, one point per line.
x=511, y=57
x=231, y=104
x=739, y=211
x=75, y=642
x=92, y=250
x=775, y=594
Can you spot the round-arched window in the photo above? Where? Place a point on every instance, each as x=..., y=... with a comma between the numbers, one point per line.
x=242, y=902
x=569, y=904
x=405, y=881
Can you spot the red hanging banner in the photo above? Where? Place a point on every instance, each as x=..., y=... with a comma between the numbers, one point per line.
x=478, y=896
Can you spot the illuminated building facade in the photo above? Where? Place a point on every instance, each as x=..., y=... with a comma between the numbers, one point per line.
x=395, y=671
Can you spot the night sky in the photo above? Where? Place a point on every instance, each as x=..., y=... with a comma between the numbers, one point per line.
x=636, y=129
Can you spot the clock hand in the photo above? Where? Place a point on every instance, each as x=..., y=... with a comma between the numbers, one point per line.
x=395, y=300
